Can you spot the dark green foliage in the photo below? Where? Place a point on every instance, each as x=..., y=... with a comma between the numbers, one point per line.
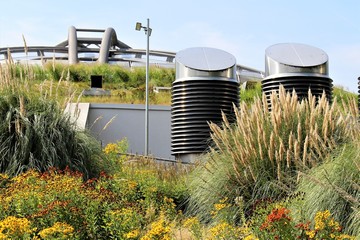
x=251, y=92
x=121, y=76
x=34, y=133
x=162, y=77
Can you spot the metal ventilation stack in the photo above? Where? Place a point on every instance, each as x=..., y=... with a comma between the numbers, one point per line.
x=296, y=67
x=205, y=85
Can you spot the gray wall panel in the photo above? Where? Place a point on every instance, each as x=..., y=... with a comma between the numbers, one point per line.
x=129, y=122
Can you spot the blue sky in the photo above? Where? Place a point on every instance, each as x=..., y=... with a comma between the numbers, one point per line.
x=244, y=28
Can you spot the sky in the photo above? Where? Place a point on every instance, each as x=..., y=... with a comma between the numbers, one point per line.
x=244, y=28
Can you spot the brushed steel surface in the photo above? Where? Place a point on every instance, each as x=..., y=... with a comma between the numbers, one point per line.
x=295, y=58
x=205, y=59
x=205, y=62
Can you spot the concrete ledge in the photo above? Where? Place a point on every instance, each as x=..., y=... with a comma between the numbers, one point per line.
x=79, y=113
x=96, y=92
x=128, y=106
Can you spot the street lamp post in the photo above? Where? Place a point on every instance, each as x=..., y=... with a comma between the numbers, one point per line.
x=147, y=30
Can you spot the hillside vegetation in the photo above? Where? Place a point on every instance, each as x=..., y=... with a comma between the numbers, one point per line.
x=127, y=85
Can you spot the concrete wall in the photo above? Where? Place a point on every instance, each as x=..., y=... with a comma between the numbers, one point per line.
x=128, y=120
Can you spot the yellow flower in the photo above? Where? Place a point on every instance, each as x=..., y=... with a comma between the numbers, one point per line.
x=219, y=229
x=220, y=206
x=160, y=229
x=59, y=229
x=110, y=148
x=13, y=227
x=326, y=214
x=320, y=218
x=3, y=176
x=334, y=225
x=311, y=234
x=132, y=185
x=132, y=234
x=190, y=222
x=345, y=236
x=251, y=237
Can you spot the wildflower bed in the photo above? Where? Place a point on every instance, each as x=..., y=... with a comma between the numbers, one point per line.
x=60, y=205
x=141, y=202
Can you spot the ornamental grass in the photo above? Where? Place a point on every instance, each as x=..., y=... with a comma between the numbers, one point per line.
x=262, y=155
x=36, y=134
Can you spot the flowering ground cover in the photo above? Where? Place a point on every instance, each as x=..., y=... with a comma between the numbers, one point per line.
x=142, y=201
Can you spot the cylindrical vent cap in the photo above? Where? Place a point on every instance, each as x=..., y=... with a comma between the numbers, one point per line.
x=205, y=62
x=295, y=58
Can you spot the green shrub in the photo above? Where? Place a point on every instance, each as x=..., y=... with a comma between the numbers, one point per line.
x=137, y=78
x=121, y=76
x=249, y=94
x=162, y=77
x=156, y=183
x=78, y=73
x=55, y=70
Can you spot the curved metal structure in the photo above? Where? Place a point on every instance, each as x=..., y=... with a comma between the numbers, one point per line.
x=72, y=46
x=107, y=42
x=105, y=49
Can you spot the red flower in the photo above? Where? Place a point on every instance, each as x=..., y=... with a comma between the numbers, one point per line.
x=276, y=215
x=303, y=226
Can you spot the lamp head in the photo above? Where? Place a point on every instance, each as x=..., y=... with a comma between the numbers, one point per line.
x=138, y=26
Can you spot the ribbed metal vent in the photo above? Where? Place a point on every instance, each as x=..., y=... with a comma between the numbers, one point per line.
x=297, y=67
x=205, y=85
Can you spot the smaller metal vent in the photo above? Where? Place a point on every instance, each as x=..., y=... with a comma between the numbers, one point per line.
x=296, y=67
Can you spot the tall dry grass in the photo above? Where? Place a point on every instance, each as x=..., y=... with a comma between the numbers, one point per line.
x=263, y=153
